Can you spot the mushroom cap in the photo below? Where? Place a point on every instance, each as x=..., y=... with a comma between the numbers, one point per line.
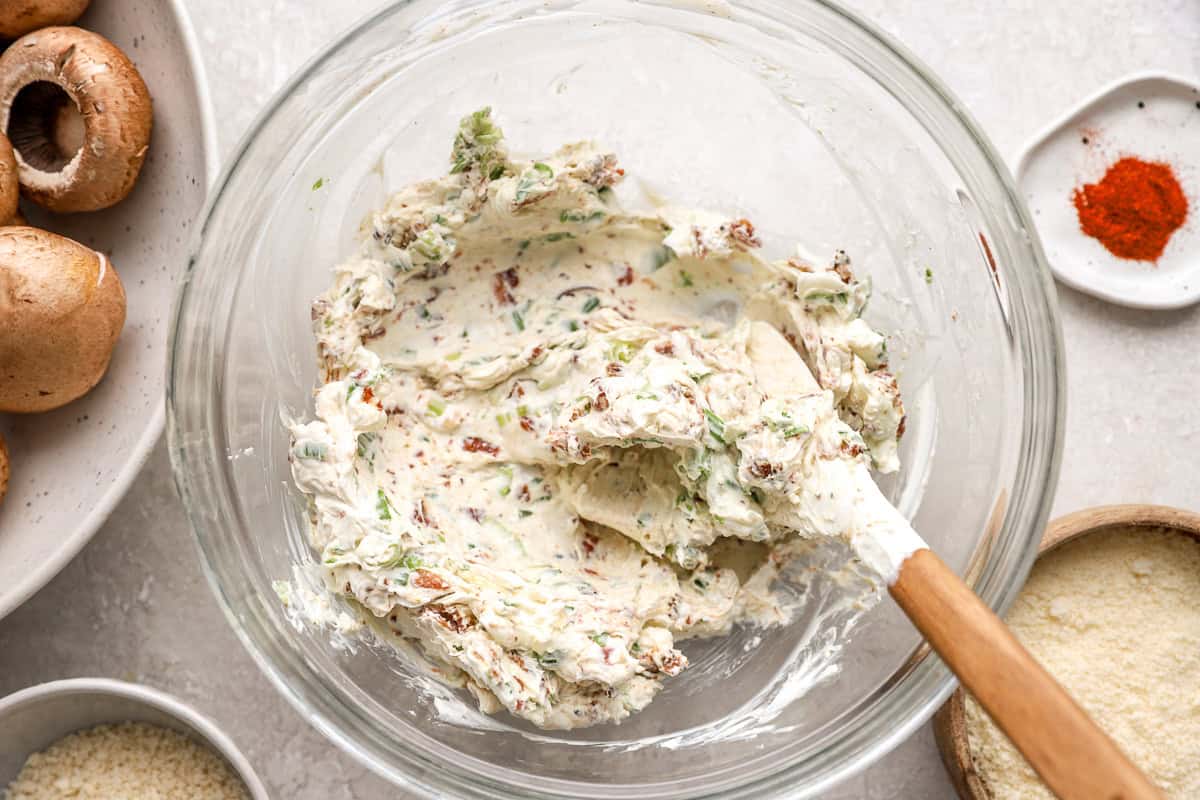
x=19, y=17
x=78, y=115
x=62, y=307
x=10, y=189
x=3, y=470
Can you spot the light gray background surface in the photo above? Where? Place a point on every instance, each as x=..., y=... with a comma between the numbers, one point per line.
x=134, y=605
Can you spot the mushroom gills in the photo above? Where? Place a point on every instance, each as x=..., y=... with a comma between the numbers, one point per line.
x=46, y=127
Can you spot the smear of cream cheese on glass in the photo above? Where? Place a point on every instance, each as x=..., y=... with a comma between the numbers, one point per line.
x=554, y=438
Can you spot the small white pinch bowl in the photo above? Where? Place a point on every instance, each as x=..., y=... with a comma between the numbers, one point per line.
x=34, y=718
x=1153, y=116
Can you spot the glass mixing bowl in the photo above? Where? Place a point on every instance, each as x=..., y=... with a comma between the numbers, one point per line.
x=795, y=114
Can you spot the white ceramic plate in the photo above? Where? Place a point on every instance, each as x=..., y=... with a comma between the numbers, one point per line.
x=34, y=718
x=1079, y=147
x=71, y=466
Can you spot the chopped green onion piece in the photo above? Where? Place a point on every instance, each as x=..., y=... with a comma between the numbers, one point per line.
x=382, y=506
x=312, y=450
x=716, y=426
x=660, y=257
x=622, y=351
x=579, y=216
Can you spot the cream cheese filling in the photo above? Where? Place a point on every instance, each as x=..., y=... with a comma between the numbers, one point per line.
x=554, y=437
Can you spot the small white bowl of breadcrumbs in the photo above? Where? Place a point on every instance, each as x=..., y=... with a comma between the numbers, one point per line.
x=98, y=739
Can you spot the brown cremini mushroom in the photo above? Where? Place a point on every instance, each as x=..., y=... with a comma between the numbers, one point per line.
x=16, y=219
x=10, y=189
x=78, y=115
x=19, y=17
x=62, y=307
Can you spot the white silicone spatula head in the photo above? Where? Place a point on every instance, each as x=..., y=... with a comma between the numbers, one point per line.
x=1073, y=756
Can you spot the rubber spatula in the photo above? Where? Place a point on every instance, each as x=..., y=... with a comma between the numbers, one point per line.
x=1076, y=759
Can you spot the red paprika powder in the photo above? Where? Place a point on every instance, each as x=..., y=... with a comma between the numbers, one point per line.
x=1134, y=208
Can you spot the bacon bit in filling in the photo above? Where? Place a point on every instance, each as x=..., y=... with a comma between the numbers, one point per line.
x=501, y=283
x=841, y=265
x=473, y=444
x=423, y=579
x=582, y=409
x=455, y=618
x=421, y=514
x=762, y=469
x=671, y=664
x=742, y=232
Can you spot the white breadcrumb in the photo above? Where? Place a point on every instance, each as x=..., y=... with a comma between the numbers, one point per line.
x=1115, y=617
x=130, y=761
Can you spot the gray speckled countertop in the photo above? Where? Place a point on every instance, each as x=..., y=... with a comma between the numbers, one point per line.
x=134, y=604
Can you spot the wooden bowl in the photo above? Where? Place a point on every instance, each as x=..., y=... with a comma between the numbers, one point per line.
x=950, y=722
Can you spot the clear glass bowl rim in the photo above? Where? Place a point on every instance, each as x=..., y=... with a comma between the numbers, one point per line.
x=928, y=681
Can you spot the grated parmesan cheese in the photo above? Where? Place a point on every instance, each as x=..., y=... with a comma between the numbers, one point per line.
x=130, y=761
x=1115, y=617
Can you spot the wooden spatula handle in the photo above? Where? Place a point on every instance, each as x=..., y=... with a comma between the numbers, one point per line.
x=1076, y=759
